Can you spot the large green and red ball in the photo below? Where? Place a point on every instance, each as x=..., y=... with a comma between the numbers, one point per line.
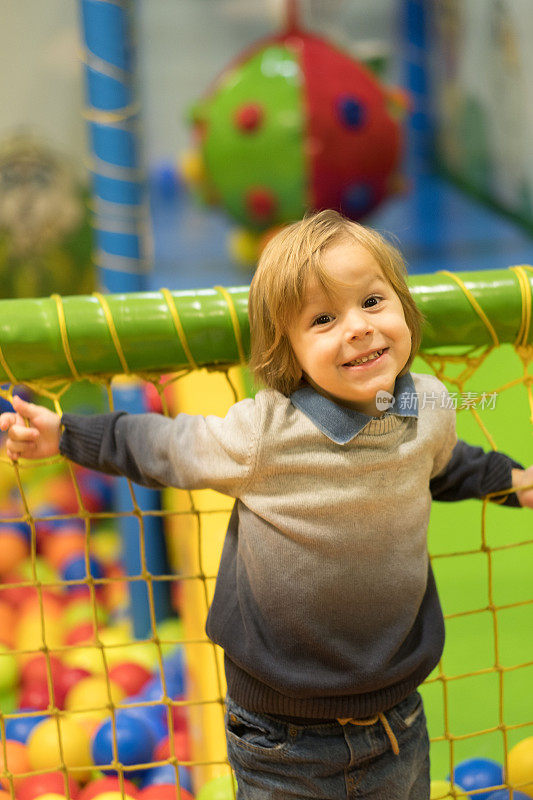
x=296, y=124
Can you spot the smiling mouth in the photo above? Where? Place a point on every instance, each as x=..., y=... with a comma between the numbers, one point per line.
x=359, y=362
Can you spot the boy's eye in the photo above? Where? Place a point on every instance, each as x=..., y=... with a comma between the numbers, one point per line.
x=323, y=319
x=373, y=301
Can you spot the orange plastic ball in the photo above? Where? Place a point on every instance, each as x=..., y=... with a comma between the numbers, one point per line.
x=59, y=547
x=17, y=762
x=14, y=548
x=7, y=624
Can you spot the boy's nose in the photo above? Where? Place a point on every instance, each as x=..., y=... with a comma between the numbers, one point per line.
x=357, y=326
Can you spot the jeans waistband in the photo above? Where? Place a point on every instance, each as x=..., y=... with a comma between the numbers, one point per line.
x=372, y=721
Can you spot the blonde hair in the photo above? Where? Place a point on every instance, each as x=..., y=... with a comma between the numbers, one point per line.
x=277, y=292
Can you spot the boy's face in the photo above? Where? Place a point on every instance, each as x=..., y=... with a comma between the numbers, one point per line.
x=363, y=317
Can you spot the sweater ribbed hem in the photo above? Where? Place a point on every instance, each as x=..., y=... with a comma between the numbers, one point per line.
x=498, y=475
x=81, y=442
x=256, y=696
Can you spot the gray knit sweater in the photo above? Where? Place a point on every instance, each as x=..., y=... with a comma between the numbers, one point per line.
x=325, y=603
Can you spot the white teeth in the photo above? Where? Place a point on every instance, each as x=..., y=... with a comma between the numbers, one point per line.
x=364, y=359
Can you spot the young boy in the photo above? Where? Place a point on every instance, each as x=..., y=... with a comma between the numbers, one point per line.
x=325, y=603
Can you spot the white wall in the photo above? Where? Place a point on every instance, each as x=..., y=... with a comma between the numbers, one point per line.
x=182, y=45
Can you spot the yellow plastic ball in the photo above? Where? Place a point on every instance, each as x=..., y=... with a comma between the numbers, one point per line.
x=113, y=796
x=89, y=658
x=192, y=168
x=520, y=766
x=51, y=796
x=442, y=790
x=91, y=693
x=243, y=246
x=29, y=634
x=44, y=747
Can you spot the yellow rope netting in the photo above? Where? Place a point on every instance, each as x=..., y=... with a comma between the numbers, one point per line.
x=196, y=523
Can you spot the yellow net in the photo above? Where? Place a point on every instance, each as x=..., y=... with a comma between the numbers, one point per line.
x=68, y=634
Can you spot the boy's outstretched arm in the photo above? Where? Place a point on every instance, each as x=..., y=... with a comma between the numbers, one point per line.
x=473, y=473
x=33, y=431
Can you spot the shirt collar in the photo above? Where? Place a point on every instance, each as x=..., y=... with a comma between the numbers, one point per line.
x=342, y=424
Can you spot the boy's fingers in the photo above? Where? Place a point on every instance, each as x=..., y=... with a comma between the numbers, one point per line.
x=6, y=420
x=28, y=410
x=20, y=433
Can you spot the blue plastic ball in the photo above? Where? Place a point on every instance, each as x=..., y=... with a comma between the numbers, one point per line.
x=19, y=728
x=166, y=774
x=155, y=717
x=135, y=742
x=505, y=794
x=478, y=773
x=75, y=569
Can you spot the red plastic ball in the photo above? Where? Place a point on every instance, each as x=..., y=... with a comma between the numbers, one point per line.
x=108, y=784
x=35, y=670
x=132, y=677
x=35, y=695
x=261, y=203
x=14, y=548
x=44, y=783
x=82, y=633
x=182, y=748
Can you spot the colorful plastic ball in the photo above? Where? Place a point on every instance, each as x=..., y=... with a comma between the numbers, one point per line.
x=222, y=788
x=443, y=790
x=84, y=633
x=61, y=547
x=505, y=794
x=153, y=716
x=92, y=693
x=520, y=765
x=44, y=783
x=116, y=795
x=7, y=624
x=37, y=668
x=44, y=750
x=76, y=611
x=75, y=569
x=9, y=669
x=180, y=746
x=163, y=791
x=35, y=695
x=132, y=677
x=478, y=773
x=53, y=796
x=16, y=761
x=166, y=774
x=44, y=572
x=134, y=739
x=14, y=548
x=19, y=728
x=170, y=634
x=68, y=678
x=30, y=635
x=111, y=783
x=8, y=701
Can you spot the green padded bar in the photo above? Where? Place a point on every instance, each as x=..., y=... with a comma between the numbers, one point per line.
x=32, y=346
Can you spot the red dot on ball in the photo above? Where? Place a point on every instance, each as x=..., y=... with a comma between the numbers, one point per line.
x=261, y=203
x=249, y=117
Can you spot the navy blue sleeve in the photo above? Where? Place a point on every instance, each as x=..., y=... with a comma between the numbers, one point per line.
x=473, y=473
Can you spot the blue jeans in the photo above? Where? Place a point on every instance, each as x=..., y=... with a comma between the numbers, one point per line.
x=275, y=760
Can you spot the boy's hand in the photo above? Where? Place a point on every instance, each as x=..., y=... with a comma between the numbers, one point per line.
x=524, y=477
x=40, y=439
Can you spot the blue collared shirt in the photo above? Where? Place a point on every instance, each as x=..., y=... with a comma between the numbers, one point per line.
x=342, y=424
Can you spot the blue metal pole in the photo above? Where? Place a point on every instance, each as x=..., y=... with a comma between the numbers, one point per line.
x=414, y=35
x=120, y=214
